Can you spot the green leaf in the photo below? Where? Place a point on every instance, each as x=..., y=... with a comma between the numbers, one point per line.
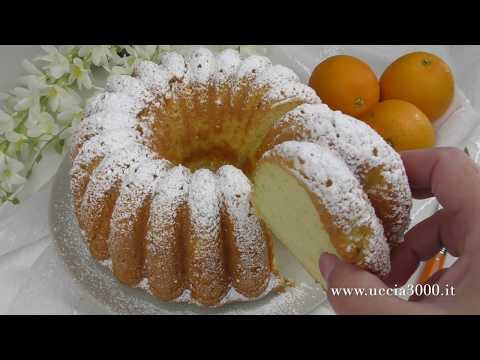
x=3, y=146
x=39, y=158
x=43, y=101
x=15, y=201
x=29, y=173
x=59, y=145
x=18, y=146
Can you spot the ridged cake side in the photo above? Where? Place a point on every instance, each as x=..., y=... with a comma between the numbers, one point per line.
x=165, y=112
x=340, y=203
x=376, y=165
x=190, y=234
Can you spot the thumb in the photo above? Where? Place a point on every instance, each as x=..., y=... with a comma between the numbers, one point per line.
x=352, y=290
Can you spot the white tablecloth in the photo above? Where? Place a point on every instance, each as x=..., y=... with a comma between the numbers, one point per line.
x=32, y=277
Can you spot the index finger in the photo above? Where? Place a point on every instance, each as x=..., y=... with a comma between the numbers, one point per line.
x=446, y=173
x=451, y=176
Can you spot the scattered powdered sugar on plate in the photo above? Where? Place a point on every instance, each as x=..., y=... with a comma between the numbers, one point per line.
x=128, y=95
x=97, y=280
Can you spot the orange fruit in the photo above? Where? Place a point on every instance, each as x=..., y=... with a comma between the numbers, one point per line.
x=422, y=79
x=401, y=124
x=347, y=84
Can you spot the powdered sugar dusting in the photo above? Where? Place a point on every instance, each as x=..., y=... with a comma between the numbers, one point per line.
x=107, y=263
x=362, y=149
x=113, y=131
x=104, y=144
x=228, y=62
x=232, y=296
x=155, y=78
x=117, y=102
x=170, y=193
x=236, y=193
x=210, y=192
x=292, y=91
x=360, y=143
x=104, y=121
x=201, y=66
x=175, y=64
x=248, y=234
x=105, y=290
x=252, y=66
x=128, y=85
x=327, y=176
x=246, y=72
x=137, y=185
x=111, y=170
x=97, y=148
x=275, y=76
x=204, y=204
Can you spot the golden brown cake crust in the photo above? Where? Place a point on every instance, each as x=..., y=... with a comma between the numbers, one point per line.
x=165, y=257
x=246, y=243
x=206, y=265
x=128, y=230
x=342, y=206
x=205, y=112
x=375, y=164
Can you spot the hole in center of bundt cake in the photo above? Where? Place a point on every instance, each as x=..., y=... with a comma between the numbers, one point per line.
x=199, y=132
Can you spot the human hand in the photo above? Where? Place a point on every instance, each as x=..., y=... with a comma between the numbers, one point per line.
x=454, y=179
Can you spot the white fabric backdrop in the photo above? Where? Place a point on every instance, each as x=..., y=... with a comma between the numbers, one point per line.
x=32, y=277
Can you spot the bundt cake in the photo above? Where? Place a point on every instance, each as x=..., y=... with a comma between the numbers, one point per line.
x=162, y=170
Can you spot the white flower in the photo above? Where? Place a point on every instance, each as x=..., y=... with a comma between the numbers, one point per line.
x=46, y=106
x=14, y=137
x=35, y=79
x=7, y=128
x=40, y=123
x=22, y=151
x=68, y=50
x=7, y=122
x=24, y=98
x=9, y=172
x=80, y=74
x=57, y=64
x=33, y=82
x=8, y=101
x=99, y=54
x=60, y=98
x=54, y=95
x=70, y=116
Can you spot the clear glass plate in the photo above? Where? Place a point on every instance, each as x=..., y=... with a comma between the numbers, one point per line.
x=99, y=282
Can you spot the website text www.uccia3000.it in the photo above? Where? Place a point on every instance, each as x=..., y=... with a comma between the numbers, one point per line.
x=419, y=290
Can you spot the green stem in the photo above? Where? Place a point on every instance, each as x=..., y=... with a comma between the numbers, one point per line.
x=12, y=197
x=44, y=146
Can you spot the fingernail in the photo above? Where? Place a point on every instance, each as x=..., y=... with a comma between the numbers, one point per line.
x=327, y=264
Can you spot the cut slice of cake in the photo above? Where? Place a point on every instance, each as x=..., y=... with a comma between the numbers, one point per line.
x=312, y=203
